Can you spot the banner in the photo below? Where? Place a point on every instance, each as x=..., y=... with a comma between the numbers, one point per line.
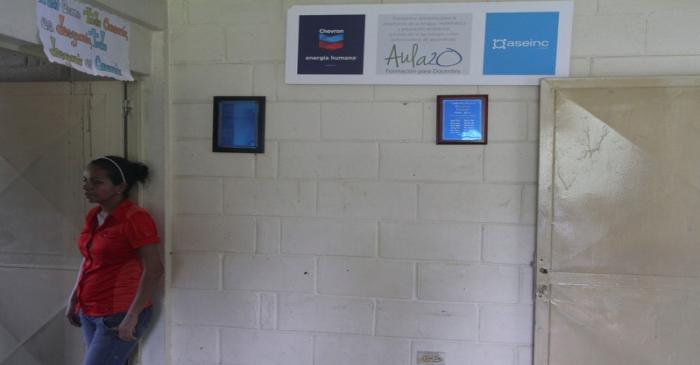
x=500, y=43
x=85, y=38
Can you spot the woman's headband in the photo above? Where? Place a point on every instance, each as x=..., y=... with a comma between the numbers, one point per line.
x=115, y=164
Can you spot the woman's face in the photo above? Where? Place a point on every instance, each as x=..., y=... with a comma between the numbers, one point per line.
x=98, y=188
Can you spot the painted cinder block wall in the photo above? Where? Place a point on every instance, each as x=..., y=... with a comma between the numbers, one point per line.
x=354, y=239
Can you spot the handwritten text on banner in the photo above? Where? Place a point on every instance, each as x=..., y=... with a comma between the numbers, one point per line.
x=85, y=38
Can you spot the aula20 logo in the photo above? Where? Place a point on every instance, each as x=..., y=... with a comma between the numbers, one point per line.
x=330, y=39
x=521, y=43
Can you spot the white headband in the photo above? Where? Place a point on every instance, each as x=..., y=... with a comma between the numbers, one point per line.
x=115, y=164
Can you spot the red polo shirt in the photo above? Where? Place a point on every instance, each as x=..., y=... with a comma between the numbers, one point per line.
x=112, y=268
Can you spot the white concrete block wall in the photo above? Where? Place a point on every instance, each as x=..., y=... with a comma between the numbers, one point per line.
x=430, y=240
x=265, y=347
x=353, y=350
x=195, y=345
x=320, y=313
x=338, y=237
x=366, y=277
x=449, y=321
x=354, y=239
x=328, y=160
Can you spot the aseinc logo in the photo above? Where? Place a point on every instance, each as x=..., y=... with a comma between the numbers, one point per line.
x=331, y=39
x=521, y=43
x=528, y=43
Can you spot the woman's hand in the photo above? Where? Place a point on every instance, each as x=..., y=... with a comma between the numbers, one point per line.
x=70, y=313
x=73, y=318
x=152, y=272
x=127, y=327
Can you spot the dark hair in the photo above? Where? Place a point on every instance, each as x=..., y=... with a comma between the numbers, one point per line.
x=134, y=172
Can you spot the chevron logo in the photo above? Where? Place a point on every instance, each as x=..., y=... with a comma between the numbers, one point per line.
x=331, y=39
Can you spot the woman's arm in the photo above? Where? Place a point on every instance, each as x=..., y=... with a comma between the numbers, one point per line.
x=150, y=278
x=72, y=299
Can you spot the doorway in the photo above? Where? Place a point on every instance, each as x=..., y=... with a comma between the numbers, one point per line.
x=618, y=244
x=48, y=131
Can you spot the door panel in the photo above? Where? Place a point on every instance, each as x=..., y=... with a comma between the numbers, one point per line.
x=47, y=133
x=624, y=202
x=106, y=127
x=619, y=222
x=620, y=325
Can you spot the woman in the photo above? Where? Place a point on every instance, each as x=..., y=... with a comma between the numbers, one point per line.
x=121, y=268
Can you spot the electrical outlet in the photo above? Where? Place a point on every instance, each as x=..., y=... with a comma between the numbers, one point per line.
x=430, y=358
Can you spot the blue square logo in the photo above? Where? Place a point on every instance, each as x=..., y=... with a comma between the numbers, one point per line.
x=521, y=43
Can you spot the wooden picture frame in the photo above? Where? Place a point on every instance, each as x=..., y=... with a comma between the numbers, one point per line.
x=462, y=119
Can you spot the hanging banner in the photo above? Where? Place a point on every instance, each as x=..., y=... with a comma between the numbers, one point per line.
x=85, y=38
x=504, y=43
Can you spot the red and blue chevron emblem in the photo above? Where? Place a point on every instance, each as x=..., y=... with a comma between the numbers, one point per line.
x=330, y=42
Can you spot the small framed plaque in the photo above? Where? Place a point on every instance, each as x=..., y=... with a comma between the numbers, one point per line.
x=239, y=124
x=462, y=119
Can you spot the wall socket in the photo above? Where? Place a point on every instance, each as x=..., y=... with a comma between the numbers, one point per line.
x=430, y=358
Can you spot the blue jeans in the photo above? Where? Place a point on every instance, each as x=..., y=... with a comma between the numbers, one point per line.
x=102, y=343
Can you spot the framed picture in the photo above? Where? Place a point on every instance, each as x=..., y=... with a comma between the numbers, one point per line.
x=462, y=119
x=239, y=124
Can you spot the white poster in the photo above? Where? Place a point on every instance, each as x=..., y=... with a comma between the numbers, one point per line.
x=85, y=38
x=499, y=43
x=437, y=44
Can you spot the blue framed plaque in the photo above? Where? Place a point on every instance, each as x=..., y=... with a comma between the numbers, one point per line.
x=462, y=119
x=239, y=124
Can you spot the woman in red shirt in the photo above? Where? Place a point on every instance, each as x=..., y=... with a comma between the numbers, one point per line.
x=121, y=268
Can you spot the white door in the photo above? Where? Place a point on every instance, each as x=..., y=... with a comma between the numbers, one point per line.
x=47, y=133
x=618, y=248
